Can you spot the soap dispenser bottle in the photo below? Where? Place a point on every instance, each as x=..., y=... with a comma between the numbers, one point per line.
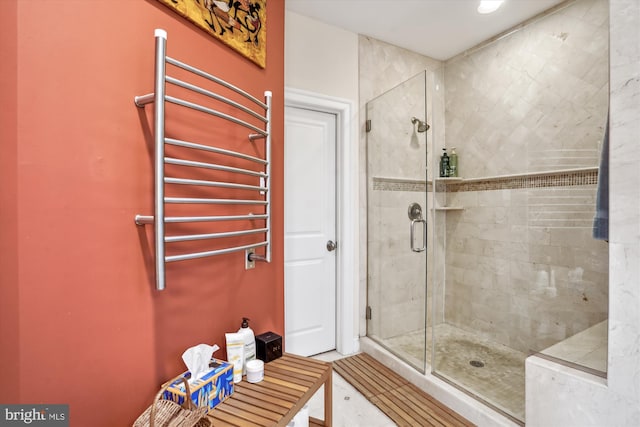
x=249, y=343
x=444, y=164
x=453, y=163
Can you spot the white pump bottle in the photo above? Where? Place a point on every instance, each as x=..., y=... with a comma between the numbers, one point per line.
x=249, y=343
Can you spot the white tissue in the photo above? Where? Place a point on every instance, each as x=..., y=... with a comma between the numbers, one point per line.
x=197, y=359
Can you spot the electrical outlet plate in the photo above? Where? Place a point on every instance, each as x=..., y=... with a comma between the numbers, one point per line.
x=248, y=264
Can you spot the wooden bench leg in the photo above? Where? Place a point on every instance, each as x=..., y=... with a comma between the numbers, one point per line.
x=328, y=402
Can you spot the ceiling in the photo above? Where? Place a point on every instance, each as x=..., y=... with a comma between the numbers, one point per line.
x=439, y=29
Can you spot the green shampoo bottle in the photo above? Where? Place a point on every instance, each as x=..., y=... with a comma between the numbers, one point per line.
x=453, y=163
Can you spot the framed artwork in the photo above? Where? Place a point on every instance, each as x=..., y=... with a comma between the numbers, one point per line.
x=241, y=24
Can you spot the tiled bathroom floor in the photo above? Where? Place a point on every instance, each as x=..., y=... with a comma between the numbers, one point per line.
x=350, y=408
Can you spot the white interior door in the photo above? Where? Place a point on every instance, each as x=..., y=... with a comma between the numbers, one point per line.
x=310, y=223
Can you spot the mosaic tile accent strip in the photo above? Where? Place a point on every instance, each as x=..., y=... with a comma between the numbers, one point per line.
x=400, y=184
x=551, y=179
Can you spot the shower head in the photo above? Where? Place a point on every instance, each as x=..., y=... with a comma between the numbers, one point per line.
x=422, y=126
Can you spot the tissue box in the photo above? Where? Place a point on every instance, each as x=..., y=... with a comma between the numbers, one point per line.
x=210, y=390
x=268, y=346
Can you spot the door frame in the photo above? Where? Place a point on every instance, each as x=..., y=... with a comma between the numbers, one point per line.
x=347, y=333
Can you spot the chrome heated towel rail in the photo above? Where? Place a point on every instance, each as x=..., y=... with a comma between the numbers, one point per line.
x=250, y=113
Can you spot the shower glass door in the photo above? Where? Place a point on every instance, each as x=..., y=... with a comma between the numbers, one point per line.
x=397, y=221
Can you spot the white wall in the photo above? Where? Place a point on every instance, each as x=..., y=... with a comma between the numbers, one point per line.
x=560, y=396
x=320, y=58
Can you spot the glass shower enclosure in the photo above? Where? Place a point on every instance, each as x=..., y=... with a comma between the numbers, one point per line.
x=467, y=276
x=397, y=220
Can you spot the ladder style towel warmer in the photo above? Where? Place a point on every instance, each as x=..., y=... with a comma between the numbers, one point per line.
x=159, y=98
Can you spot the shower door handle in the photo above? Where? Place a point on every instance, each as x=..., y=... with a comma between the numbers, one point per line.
x=424, y=235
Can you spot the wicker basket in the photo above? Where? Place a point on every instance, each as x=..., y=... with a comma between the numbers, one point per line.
x=166, y=413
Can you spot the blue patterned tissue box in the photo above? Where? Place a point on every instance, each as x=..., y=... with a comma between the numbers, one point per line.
x=210, y=390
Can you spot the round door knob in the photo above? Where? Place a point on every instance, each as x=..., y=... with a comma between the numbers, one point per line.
x=331, y=245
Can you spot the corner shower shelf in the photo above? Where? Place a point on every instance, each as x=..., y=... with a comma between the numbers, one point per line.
x=448, y=180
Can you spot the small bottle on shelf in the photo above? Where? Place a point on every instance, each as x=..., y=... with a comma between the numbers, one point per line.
x=444, y=164
x=453, y=163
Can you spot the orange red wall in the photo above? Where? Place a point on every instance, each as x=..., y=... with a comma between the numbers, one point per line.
x=80, y=320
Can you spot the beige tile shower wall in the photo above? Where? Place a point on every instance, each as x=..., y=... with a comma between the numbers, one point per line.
x=395, y=148
x=383, y=66
x=534, y=100
x=522, y=267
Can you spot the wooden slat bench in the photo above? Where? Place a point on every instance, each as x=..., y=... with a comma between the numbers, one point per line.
x=289, y=382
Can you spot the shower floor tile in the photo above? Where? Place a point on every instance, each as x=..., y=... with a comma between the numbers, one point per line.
x=490, y=371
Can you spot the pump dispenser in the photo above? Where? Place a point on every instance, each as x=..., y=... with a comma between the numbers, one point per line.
x=444, y=164
x=453, y=163
x=249, y=343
